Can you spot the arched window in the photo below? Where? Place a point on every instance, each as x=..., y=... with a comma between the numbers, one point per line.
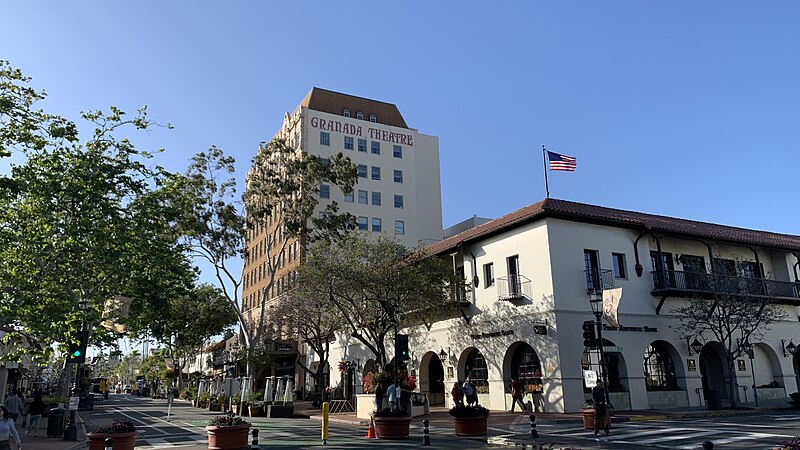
x=372, y=118
x=659, y=370
x=526, y=368
x=615, y=366
x=346, y=112
x=477, y=370
x=360, y=115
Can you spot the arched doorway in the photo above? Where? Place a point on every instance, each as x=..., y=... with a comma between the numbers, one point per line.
x=522, y=363
x=713, y=369
x=663, y=378
x=431, y=379
x=473, y=365
x=616, y=373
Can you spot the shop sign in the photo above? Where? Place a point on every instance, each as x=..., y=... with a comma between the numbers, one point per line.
x=612, y=349
x=492, y=334
x=73, y=403
x=540, y=329
x=639, y=329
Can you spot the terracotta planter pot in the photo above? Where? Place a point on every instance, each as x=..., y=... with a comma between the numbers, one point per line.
x=470, y=426
x=122, y=441
x=588, y=418
x=392, y=427
x=228, y=438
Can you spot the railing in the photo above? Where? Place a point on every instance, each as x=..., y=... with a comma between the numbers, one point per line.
x=699, y=282
x=598, y=279
x=461, y=294
x=513, y=287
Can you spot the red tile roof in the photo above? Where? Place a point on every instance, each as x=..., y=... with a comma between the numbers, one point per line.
x=581, y=212
x=335, y=103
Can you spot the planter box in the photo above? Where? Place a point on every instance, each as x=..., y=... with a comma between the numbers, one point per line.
x=777, y=393
x=470, y=426
x=392, y=427
x=122, y=441
x=588, y=419
x=228, y=438
x=279, y=411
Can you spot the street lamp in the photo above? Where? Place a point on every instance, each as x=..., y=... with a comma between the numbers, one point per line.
x=790, y=347
x=442, y=356
x=696, y=346
x=747, y=347
x=596, y=302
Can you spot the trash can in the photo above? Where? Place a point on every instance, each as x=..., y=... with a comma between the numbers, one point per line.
x=713, y=399
x=56, y=422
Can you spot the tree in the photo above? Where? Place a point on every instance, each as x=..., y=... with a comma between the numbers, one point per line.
x=371, y=282
x=282, y=186
x=732, y=315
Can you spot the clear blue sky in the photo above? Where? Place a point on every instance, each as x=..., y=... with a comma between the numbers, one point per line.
x=682, y=108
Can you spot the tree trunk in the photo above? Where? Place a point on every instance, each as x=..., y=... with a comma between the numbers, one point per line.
x=732, y=381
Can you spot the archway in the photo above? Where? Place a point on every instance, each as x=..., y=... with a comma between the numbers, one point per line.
x=616, y=373
x=431, y=378
x=660, y=370
x=713, y=368
x=472, y=364
x=522, y=362
x=369, y=366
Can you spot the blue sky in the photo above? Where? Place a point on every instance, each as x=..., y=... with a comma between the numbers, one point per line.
x=682, y=108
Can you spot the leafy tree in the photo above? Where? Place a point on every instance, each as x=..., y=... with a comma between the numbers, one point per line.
x=281, y=187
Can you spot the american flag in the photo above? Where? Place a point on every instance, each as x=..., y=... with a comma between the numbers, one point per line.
x=561, y=162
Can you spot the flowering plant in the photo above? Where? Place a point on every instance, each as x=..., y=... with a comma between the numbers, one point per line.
x=228, y=420
x=373, y=379
x=469, y=411
x=345, y=365
x=117, y=427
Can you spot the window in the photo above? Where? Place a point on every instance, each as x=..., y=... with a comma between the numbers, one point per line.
x=398, y=176
x=399, y=227
x=477, y=370
x=659, y=370
x=362, y=171
x=363, y=196
x=362, y=223
x=325, y=191
x=488, y=274
x=619, y=265
x=376, y=224
x=348, y=142
x=514, y=281
x=397, y=151
x=348, y=198
x=362, y=145
x=591, y=265
x=346, y=112
x=372, y=118
x=375, y=147
x=324, y=138
x=398, y=201
x=376, y=173
x=666, y=267
x=526, y=368
x=360, y=115
x=376, y=198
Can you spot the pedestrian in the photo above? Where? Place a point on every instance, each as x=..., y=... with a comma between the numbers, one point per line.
x=601, y=419
x=7, y=430
x=14, y=405
x=393, y=395
x=379, y=394
x=36, y=410
x=517, y=391
x=457, y=395
x=470, y=392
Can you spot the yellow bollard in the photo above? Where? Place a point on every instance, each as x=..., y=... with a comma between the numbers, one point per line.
x=326, y=407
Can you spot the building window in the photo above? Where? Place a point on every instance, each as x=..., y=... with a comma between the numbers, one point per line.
x=397, y=151
x=362, y=223
x=362, y=171
x=526, y=368
x=398, y=176
x=362, y=145
x=619, y=265
x=349, y=198
x=398, y=201
x=514, y=281
x=399, y=227
x=375, y=147
x=325, y=191
x=346, y=112
x=360, y=115
x=376, y=224
x=376, y=173
x=348, y=142
x=477, y=370
x=363, y=196
x=324, y=138
x=372, y=118
x=659, y=370
x=322, y=216
x=591, y=264
x=376, y=198
x=488, y=274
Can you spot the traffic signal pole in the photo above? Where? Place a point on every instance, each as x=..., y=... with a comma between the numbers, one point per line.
x=77, y=355
x=603, y=371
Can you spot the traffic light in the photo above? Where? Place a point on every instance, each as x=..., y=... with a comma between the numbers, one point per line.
x=589, y=338
x=76, y=352
x=401, y=347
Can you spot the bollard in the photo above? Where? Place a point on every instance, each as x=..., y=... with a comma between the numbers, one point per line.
x=708, y=445
x=326, y=408
x=534, y=433
x=426, y=432
x=109, y=444
x=254, y=444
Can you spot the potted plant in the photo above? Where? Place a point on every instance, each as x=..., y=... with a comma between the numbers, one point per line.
x=228, y=432
x=470, y=420
x=254, y=402
x=391, y=424
x=587, y=411
x=202, y=400
x=122, y=433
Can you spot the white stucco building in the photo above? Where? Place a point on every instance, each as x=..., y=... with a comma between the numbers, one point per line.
x=531, y=274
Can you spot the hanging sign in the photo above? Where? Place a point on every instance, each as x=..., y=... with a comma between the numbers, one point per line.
x=611, y=298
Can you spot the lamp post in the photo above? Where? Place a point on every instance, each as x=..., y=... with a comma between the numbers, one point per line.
x=747, y=347
x=597, y=309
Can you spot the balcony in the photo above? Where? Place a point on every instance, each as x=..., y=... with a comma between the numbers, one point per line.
x=513, y=287
x=461, y=294
x=682, y=284
x=598, y=279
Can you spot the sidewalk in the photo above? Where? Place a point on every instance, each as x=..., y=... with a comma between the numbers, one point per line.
x=42, y=442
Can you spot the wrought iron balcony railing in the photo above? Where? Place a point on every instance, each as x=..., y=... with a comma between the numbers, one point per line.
x=513, y=287
x=460, y=294
x=677, y=281
x=598, y=279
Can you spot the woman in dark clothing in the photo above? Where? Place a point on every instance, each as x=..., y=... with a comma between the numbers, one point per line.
x=601, y=419
x=36, y=410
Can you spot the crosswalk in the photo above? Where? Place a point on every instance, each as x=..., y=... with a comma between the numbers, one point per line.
x=172, y=441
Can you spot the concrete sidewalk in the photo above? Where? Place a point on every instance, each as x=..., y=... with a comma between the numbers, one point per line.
x=42, y=442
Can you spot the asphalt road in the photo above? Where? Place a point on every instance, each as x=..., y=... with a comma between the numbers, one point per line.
x=185, y=428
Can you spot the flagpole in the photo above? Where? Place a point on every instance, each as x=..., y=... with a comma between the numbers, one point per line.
x=546, y=183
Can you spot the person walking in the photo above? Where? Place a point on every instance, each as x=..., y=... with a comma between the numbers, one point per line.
x=457, y=395
x=14, y=405
x=470, y=392
x=393, y=395
x=517, y=391
x=379, y=394
x=8, y=430
x=601, y=419
x=36, y=410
